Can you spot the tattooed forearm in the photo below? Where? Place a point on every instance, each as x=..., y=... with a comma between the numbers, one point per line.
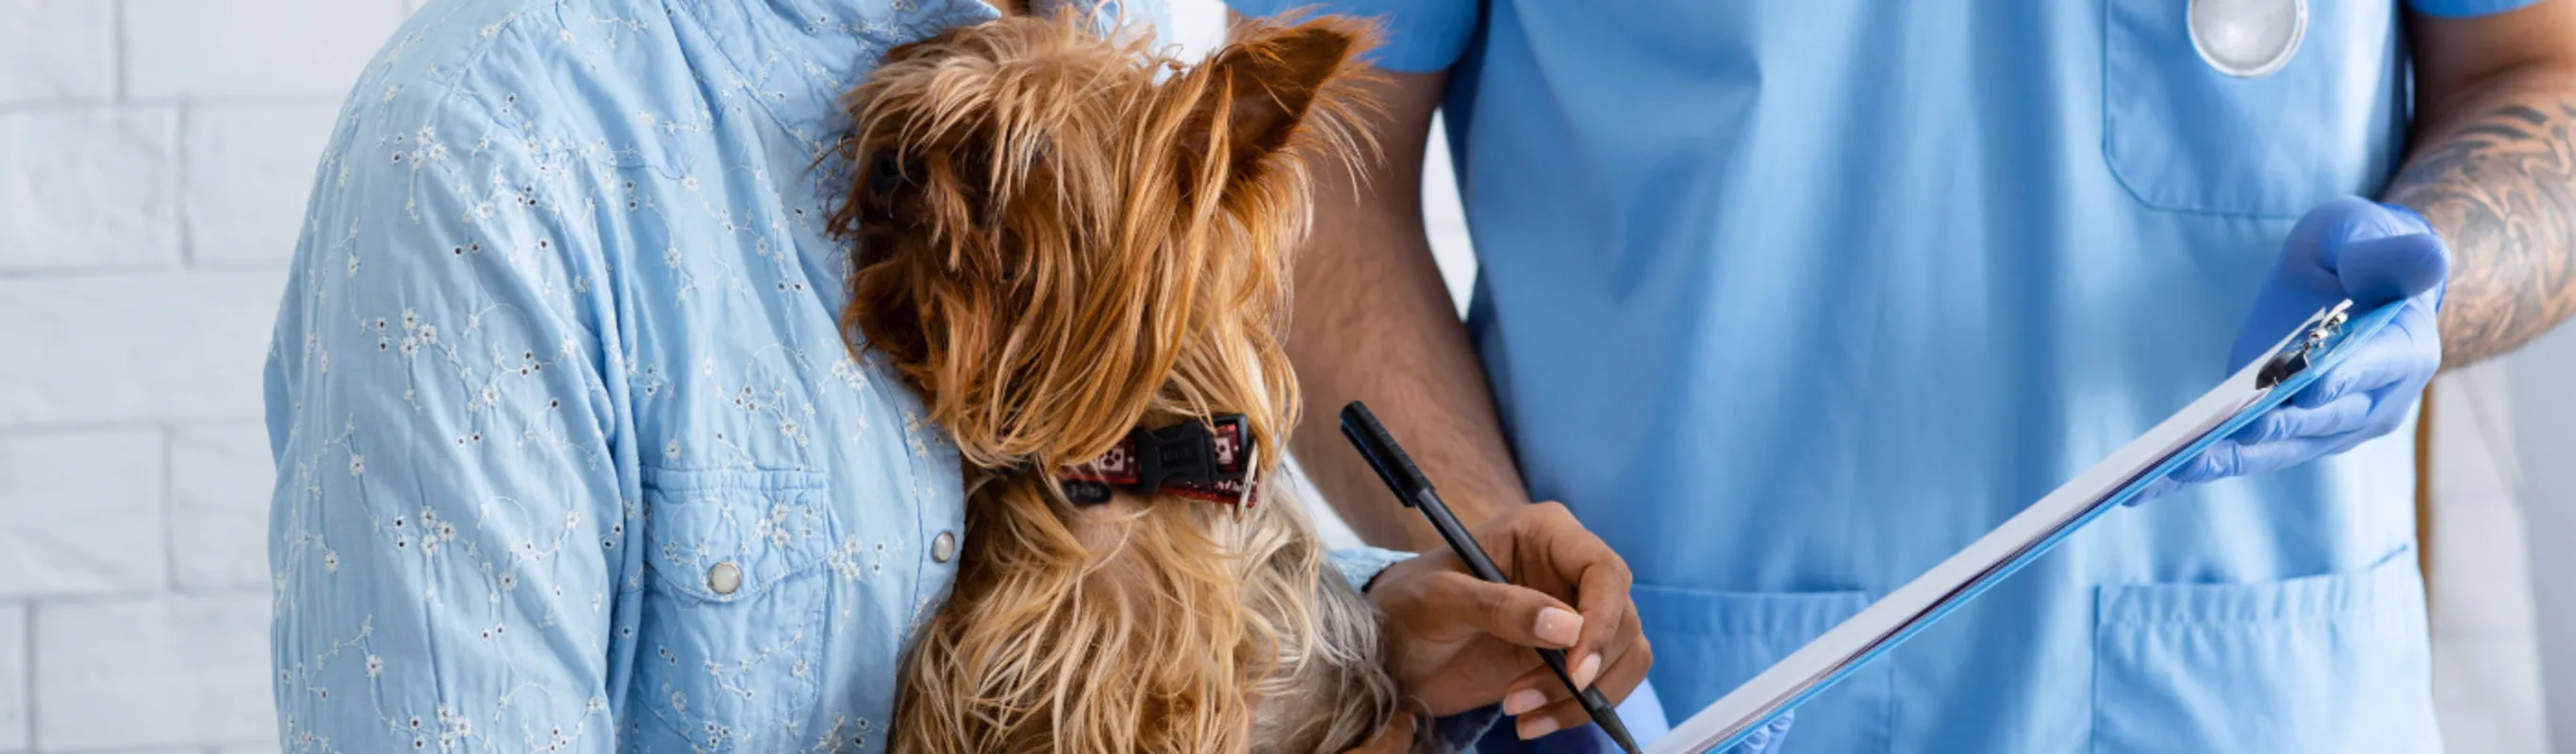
x=2500, y=187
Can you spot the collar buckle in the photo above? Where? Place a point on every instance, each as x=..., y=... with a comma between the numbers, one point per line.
x=1183, y=452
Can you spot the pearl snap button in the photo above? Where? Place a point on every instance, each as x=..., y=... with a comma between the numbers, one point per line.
x=943, y=547
x=724, y=578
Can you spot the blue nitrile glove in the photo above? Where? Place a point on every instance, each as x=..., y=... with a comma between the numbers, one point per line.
x=2346, y=248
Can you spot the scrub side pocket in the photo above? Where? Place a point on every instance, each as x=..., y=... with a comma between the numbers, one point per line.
x=2338, y=662
x=734, y=600
x=1709, y=642
x=2181, y=136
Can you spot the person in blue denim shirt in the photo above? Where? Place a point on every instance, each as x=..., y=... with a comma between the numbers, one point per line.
x=572, y=454
x=1790, y=299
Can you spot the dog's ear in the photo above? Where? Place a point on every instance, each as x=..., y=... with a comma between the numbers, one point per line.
x=1273, y=81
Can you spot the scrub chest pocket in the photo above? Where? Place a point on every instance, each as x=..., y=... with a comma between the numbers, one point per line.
x=2336, y=662
x=2179, y=135
x=1726, y=638
x=734, y=589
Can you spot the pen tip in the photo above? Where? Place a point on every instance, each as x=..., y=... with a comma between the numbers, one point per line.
x=1606, y=716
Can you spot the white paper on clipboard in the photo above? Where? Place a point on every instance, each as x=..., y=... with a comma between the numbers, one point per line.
x=2260, y=385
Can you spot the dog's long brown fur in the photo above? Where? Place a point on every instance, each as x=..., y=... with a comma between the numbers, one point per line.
x=1062, y=237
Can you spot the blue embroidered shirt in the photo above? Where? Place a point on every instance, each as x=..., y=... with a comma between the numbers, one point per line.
x=572, y=456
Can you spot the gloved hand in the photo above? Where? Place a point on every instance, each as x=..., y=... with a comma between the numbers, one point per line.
x=2346, y=248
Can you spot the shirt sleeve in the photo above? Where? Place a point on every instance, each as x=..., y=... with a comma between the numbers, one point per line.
x=1420, y=35
x=447, y=537
x=1359, y=565
x=2466, y=8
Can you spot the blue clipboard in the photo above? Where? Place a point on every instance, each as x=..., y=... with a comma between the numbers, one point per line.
x=2290, y=366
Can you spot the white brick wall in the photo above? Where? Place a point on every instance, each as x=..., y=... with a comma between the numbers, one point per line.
x=88, y=187
x=57, y=51
x=214, y=49
x=83, y=514
x=219, y=482
x=14, y=678
x=125, y=347
x=154, y=670
x=154, y=161
x=248, y=171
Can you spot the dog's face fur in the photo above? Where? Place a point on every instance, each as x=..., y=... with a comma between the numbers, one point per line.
x=1061, y=235
x=1060, y=238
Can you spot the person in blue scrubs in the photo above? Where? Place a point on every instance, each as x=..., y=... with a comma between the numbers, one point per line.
x=1788, y=300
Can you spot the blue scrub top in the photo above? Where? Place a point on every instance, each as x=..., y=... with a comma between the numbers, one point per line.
x=1790, y=299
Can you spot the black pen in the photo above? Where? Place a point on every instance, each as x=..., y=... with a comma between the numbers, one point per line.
x=1411, y=487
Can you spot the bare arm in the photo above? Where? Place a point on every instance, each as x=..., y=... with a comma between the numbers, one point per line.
x=2493, y=168
x=1374, y=322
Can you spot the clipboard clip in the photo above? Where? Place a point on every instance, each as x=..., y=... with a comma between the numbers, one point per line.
x=2293, y=355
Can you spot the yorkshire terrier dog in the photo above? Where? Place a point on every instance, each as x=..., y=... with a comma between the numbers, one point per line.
x=1077, y=249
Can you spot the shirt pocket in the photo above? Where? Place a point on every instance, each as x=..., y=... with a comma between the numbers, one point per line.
x=2181, y=136
x=2337, y=662
x=734, y=603
x=1709, y=642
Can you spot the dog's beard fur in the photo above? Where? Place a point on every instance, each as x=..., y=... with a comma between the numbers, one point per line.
x=1061, y=237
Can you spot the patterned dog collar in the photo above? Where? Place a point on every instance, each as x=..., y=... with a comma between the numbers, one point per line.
x=1211, y=461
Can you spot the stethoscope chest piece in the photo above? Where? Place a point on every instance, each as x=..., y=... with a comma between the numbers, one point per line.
x=2247, y=38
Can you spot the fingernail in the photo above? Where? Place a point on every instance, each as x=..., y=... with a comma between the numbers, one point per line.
x=1559, y=627
x=1585, y=671
x=1533, y=727
x=1522, y=701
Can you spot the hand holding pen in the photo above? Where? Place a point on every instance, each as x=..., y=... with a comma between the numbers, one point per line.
x=1461, y=639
